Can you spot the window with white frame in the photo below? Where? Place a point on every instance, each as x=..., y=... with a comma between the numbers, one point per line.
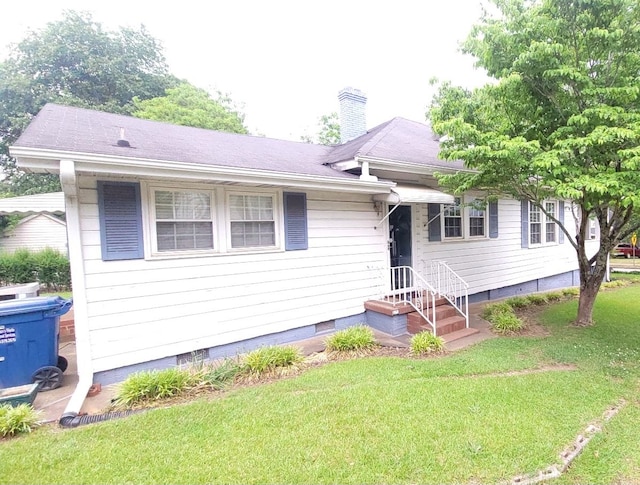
x=535, y=224
x=183, y=220
x=550, y=228
x=252, y=220
x=542, y=228
x=477, y=221
x=452, y=219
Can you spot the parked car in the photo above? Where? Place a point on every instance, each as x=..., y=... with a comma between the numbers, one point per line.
x=626, y=250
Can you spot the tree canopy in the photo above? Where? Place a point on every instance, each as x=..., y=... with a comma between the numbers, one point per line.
x=561, y=121
x=74, y=62
x=190, y=106
x=328, y=130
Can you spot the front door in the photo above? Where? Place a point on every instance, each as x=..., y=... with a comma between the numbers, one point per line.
x=400, y=236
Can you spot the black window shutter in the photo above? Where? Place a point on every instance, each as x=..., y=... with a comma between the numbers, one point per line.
x=120, y=220
x=524, y=219
x=561, y=219
x=433, y=214
x=493, y=219
x=295, y=221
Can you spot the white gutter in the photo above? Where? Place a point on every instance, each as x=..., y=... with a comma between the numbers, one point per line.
x=83, y=344
x=47, y=160
x=417, y=168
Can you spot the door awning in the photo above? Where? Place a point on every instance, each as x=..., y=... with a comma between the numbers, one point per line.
x=406, y=194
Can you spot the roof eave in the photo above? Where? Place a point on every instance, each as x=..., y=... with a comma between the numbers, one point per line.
x=400, y=165
x=45, y=160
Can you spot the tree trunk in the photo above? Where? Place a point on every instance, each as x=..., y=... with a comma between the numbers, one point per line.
x=588, y=293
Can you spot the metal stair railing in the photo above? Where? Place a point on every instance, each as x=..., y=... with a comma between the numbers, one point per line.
x=408, y=287
x=448, y=284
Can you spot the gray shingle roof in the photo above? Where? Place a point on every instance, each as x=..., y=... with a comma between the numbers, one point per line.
x=78, y=130
x=397, y=139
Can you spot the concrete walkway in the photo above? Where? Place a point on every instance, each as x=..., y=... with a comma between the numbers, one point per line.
x=52, y=404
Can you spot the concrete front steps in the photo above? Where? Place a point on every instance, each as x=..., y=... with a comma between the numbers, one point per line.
x=450, y=325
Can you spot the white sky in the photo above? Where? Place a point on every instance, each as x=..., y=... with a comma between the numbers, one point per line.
x=285, y=61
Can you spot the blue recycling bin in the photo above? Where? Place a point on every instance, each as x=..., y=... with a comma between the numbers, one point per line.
x=29, y=335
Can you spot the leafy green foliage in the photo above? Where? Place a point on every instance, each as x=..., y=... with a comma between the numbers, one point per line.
x=49, y=267
x=537, y=299
x=190, y=106
x=517, y=302
x=493, y=309
x=358, y=337
x=153, y=385
x=74, y=62
x=218, y=375
x=562, y=120
x=425, y=343
x=267, y=359
x=328, y=130
x=506, y=323
x=19, y=419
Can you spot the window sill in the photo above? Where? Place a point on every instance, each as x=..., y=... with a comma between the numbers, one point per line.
x=209, y=254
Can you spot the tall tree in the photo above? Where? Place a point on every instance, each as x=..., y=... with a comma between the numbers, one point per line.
x=328, y=130
x=561, y=121
x=190, y=106
x=75, y=62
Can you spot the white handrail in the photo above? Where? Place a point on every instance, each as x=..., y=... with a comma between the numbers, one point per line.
x=448, y=284
x=408, y=287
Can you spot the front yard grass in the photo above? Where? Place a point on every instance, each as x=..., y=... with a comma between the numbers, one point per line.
x=505, y=407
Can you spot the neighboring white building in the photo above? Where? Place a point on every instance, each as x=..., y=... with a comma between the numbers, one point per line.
x=186, y=240
x=42, y=225
x=36, y=232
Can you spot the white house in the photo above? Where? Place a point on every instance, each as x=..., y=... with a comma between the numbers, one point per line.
x=186, y=240
x=42, y=226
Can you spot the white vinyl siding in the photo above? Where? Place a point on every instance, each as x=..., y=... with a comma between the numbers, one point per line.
x=35, y=233
x=140, y=310
x=486, y=263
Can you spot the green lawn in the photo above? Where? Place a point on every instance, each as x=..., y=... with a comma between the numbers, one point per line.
x=478, y=415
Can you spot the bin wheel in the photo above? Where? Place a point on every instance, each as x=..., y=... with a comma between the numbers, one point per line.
x=62, y=363
x=48, y=377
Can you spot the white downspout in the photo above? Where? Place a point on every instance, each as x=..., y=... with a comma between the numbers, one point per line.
x=69, y=183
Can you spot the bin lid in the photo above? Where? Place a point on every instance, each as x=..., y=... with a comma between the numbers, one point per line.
x=28, y=305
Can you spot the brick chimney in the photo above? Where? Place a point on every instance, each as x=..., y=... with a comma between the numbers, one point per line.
x=353, y=120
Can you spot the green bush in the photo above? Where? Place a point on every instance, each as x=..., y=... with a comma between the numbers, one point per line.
x=554, y=296
x=266, y=359
x=493, y=309
x=506, y=323
x=517, y=302
x=359, y=337
x=48, y=267
x=153, y=385
x=19, y=419
x=426, y=343
x=217, y=376
x=537, y=299
x=571, y=292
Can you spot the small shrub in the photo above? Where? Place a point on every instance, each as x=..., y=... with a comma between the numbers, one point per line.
x=537, y=299
x=506, y=323
x=571, y=292
x=19, y=419
x=153, y=385
x=267, y=359
x=359, y=337
x=517, y=302
x=425, y=343
x=554, y=296
x=217, y=376
x=493, y=309
x=615, y=283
